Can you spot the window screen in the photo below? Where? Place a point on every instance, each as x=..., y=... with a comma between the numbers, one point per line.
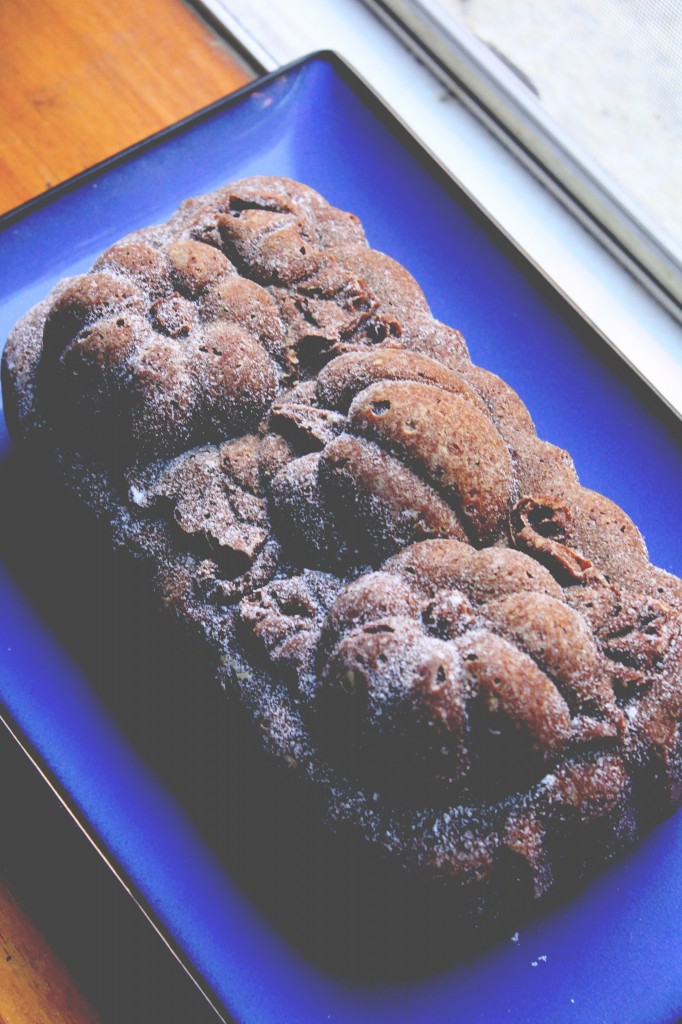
x=610, y=73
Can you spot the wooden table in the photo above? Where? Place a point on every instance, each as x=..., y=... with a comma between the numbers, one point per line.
x=80, y=81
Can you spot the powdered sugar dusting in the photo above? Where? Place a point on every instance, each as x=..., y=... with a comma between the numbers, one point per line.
x=432, y=622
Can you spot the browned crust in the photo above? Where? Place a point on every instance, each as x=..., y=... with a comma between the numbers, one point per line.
x=467, y=654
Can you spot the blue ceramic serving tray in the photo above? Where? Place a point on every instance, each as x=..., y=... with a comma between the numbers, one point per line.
x=612, y=952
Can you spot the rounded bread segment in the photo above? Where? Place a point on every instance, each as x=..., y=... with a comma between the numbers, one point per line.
x=521, y=666
x=128, y=362
x=341, y=380
x=83, y=302
x=450, y=444
x=381, y=503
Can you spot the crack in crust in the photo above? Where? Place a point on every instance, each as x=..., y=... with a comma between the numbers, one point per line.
x=464, y=650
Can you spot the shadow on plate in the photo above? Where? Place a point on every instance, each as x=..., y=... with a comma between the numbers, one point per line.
x=344, y=908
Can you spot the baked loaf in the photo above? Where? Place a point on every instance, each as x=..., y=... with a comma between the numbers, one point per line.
x=467, y=655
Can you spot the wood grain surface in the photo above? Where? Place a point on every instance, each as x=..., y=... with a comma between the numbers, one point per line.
x=81, y=80
x=34, y=986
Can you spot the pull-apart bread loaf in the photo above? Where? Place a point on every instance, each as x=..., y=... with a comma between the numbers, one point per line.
x=466, y=654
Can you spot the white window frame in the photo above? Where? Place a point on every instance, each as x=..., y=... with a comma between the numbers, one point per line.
x=495, y=94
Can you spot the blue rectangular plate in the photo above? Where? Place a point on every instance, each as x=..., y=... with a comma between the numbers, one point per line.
x=613, y=952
